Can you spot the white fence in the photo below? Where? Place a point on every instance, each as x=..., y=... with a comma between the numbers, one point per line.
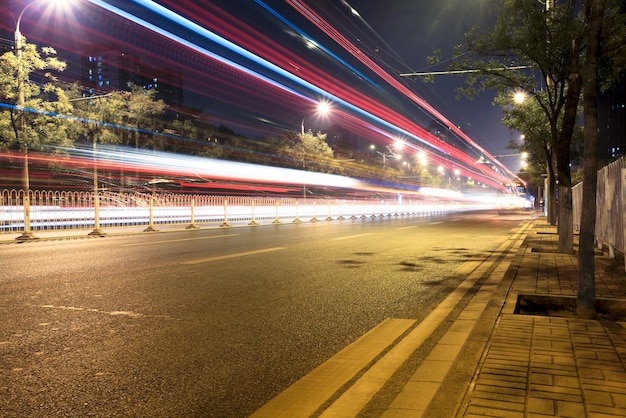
x=609, y=207
x=53, y=210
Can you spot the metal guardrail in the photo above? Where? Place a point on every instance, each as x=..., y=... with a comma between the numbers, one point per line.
x=54, y=210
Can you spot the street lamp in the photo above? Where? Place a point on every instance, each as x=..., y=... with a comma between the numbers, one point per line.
x=97, y=231
x=27, y=233
x=519, y=97
x=323, y=108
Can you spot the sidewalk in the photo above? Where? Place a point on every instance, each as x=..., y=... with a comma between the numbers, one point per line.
x=538, y=365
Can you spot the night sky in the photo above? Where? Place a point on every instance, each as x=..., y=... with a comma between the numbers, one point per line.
x=259, y=91
x=414, y=29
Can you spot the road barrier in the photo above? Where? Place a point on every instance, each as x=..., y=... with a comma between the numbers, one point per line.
x=58, y=210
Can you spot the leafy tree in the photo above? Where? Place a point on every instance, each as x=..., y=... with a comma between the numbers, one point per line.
x=29, y=106
x=308, y=149
x=35, y=125
x=589, y=47
x=527, y=39
x=604, y=40
x=99, y=113
x=142, y=111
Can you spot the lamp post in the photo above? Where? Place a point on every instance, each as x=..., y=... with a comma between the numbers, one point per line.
x=22, y=140
x=323, y=108
x=27, y=233
x=97, y=231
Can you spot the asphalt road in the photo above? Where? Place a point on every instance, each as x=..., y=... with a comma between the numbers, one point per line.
x=212, y=322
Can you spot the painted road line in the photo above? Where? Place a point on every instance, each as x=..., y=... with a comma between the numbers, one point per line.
x=179, y=240
x=397, y=338
x=353, y=236
x=426, y=382
x=354, y=399
x=307, y=395
x=236, y=255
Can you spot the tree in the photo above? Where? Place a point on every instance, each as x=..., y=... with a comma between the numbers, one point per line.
x=140, y=117
x=99, y=115
x=531, y=39
x=30, y=107
x=310, y=150
x=34, y=126
x=528, y=117
x=604, y=56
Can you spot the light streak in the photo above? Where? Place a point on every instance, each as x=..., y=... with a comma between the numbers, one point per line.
x=282, y=79
x=168, y=14
x=180, y=165
x=317, y=20
x=321, y=47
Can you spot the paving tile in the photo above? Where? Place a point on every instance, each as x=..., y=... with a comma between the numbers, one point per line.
x=464, y=325
x=586, y=354
x=402, y=413
x=554, y=370
x=566, y=381
x=541, y=378
x=596, y=397
x=499, y=382
x=556, y=393
x=570, y=409
x=599, y=364
x=444, y=352
x=472, y=315
x=454, y=337
x=603, y=385
x=492, y=369
x=551, y=362
x=432, y=371
x=618, y=376
x=605, y=411
x=499, y=388
x=501, y=405
x=498, y=395
x=619, y=399
x=415, y=395
x=480, y=411
x=589, y=373
x=541, y=406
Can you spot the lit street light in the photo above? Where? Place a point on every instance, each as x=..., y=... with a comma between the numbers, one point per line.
x=27, y=233
x=520, y=97
x=323, y=108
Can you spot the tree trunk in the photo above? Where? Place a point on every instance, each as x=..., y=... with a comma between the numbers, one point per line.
x=551, y=192
x=570, y=114
x=586, y=297
x=565, y=226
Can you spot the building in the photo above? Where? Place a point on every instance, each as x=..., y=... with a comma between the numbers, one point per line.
x=612, y=123
x=106, y=68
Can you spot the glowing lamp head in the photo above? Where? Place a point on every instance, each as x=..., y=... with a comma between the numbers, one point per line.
x=520, y=97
